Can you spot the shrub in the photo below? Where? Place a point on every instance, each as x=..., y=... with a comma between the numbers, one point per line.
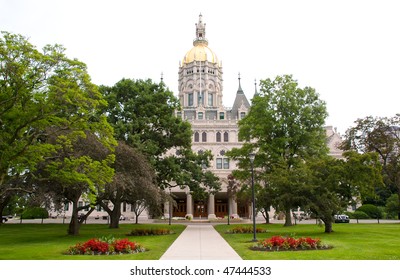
x=35, y=213
x=359, y=215
x=105, y=246
x=247, y=229
x=371, y=210
x=150, y=231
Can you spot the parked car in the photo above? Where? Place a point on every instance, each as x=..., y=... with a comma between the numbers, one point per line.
x=4, y=219
x=342, y=219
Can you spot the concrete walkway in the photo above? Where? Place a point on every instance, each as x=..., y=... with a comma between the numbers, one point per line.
x=200, y=242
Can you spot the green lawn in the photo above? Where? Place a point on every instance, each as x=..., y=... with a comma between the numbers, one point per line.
x=350, y=242
x=50, y=241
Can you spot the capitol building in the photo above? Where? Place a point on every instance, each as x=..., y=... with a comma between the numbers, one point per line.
x=215, y=129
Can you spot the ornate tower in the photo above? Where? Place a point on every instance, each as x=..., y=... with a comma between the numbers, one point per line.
x=200, y=79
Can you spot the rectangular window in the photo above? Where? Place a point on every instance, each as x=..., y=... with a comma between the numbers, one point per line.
x=200, y=99
x=219, y=163
x=210, y=99
x=242, y=115
x=190, y=99
x=222, y=116
x=200, y=115
x=226, y=163
x=66, y=207
x=80, y=203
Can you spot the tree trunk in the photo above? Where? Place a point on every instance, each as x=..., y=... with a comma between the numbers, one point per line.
x=266, y=216
x=288, y=218
x=3, y=204
x=115, y=214
x=328, y=226
x=137, y=219
x=73, y=228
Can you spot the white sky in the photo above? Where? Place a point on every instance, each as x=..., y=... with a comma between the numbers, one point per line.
x=349, y=51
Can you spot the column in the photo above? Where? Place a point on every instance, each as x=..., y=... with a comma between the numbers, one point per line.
x=189, y=206
x=233, y=205
x=211, y=207
x=166, y=210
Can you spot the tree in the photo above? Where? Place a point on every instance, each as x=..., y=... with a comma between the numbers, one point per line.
x=42, y=94
x=81, y=168
x=392, y=205
x=285, y=128
x=382, y=136
x=133, y=182
x=143, y=116
x=336, y=183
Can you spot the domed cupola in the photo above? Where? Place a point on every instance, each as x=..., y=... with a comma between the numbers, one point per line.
x=200, y=51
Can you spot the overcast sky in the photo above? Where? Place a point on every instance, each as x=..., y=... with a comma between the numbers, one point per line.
x=349, y=51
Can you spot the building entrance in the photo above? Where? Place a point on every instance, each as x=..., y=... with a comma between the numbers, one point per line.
x=221, y=208
x=180, y=208
x=243, y=210
x=200, y=209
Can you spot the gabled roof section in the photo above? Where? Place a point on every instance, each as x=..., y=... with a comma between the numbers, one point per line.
x=240, y=102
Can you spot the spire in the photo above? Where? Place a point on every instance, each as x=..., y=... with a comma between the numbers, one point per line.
x=200, y=32
x=255, y=88
x=239, y=91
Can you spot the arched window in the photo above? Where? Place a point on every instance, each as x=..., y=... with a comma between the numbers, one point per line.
x=204, y=137
x=226, y=136
x=196, y=137
x=190, y=99
x=210, y=99
x=218, y=136
x=200, y=99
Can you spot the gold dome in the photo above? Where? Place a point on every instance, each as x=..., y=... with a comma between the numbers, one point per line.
x=200, y=52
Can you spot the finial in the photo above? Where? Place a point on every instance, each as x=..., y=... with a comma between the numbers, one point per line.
x=162, y=76
x=240, y=87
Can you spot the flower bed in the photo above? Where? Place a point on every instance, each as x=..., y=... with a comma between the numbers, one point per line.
x=150, y=231
x=279, y=243
x=105, y=246
x=247, y=229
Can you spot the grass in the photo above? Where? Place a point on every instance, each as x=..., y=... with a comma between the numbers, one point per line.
x=50, y=241
x=350, y=242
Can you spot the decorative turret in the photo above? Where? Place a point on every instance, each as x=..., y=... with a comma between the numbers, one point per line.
x=200, y=33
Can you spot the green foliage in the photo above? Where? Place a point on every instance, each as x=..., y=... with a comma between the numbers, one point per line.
x=35, y=213
x=150, y=231
x=372, y=211
x=392, y=206
x=48, y=105
x=285, y=128
x=143, y=115
x=246, y=229
x=359, y=215
x=381, y=136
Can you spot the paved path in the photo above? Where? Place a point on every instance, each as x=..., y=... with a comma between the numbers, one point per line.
x=200, y=242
